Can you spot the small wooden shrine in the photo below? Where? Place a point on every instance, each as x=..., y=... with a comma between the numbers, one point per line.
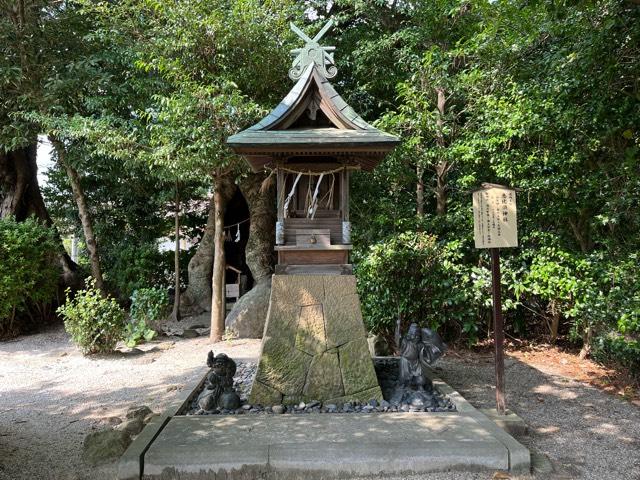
x=314, y=345
x=312, y=140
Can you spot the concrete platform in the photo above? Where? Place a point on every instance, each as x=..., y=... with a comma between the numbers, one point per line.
x=321, y=446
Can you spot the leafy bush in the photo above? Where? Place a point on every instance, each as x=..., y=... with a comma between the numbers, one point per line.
x=95, y=323
x=131, y=267
x=619, y=349
x=414, y=278
x=148, y=306
x=28, y=273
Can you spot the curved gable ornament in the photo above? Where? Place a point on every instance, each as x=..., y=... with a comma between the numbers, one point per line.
x=313, y=54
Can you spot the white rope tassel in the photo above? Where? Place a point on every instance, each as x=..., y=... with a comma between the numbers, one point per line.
x=291, y=193
x=314, y=201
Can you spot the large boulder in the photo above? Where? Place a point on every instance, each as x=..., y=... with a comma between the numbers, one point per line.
x=249, y=314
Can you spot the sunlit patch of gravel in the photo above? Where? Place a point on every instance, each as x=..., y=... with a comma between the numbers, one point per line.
x=51, y=397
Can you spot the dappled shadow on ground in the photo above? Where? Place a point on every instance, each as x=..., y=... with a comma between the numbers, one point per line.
x=587, y=433
x=51, y=397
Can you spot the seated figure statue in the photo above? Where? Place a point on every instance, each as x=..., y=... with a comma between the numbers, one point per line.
x=419, y=349
x=218, y=390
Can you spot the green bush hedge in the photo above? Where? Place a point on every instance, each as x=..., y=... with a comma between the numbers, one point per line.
x=29, y=274
x=414, y=277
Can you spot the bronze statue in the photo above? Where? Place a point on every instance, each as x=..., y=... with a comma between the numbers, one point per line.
x=419, y=349
x=218, y=390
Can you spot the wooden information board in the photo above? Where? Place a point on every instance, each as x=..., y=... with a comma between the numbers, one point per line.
x=494, y=217
x=495, y=227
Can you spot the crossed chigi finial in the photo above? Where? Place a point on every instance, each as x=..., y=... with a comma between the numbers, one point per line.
x=313, y=53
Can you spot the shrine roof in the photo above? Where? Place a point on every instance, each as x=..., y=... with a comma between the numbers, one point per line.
x=312, y=119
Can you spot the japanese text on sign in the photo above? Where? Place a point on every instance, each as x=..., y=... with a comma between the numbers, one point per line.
x=494, y=217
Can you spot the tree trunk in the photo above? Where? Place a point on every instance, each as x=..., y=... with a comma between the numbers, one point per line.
x=84, y=213
x=176, y=298
x=262, y=221
x=221, y=184
x=20, y=197
x=581, y=230
x=587, y=334
x=555, y=321
x=196, y=299
x=441, y=187
x=249, y=314
x=420, y=191
x=442, y=168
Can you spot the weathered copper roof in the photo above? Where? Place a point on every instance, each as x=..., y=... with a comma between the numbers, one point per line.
x=286, y=132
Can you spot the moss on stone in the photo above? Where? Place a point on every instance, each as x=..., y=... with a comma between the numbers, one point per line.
x=358, y=373
x=364, y=396
x=343, y=320
x=262, y=394
x=324, y=379
x=283, y=368
x=311, y=337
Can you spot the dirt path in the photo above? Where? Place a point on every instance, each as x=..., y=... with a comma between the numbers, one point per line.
x=51, y=397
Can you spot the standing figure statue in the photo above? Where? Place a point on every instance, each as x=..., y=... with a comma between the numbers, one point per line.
x=419, y=349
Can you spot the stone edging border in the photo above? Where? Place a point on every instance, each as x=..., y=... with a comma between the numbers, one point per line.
x=519, y=455
x=131, y=464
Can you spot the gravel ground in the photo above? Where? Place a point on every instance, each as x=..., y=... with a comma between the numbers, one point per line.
x=51, y=397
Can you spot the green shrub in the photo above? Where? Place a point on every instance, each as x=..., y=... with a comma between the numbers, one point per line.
x=94, y=322
x=413, y=277
x=148, y=306
x=131, y=267
x=618, y=349
x=28, y=273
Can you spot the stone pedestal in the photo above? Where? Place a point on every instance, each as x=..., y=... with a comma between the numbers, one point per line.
x=314, y=345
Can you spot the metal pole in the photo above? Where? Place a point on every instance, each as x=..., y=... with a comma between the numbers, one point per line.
x=498, y=333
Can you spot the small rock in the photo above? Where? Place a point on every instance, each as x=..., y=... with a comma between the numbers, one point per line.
x=368, y=408
x=132, y=426
x=105, y=445
x=171, y=388
x=385, y=404
x=373, y=402
x=301, y=406
x=278, y=409
x=313, y=403
x=247, y=407
x=230, y=400
x=206, y=400
x=138, y=412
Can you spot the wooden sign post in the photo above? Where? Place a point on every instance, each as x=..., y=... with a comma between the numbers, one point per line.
x=495, y=227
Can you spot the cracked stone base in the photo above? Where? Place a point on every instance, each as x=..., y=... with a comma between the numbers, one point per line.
x=315, y=344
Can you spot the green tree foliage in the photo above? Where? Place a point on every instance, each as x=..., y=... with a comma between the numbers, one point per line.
x=28, y=274
x=541, y=96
